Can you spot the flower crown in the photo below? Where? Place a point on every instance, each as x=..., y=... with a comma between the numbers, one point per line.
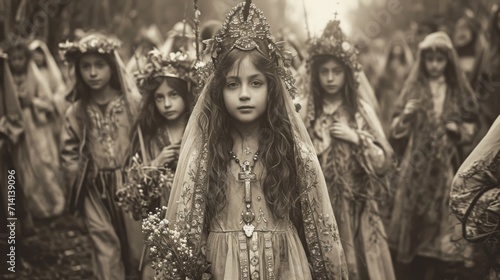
x=246, y=28
x=99, y=43
x=176, y=65
x=334, y=43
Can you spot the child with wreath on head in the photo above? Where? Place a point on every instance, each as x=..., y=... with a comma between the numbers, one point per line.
x=353, y=152
x=248, y=182
x=95, y=144
x=35, y=155
x=167, y=85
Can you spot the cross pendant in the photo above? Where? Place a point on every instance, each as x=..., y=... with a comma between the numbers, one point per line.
x=247, y=176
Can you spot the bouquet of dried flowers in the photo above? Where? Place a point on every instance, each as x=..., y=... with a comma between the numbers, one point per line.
x=170, y=250
x=144, y=187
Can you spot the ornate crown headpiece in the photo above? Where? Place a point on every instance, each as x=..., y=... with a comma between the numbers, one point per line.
x=246, y=28
x=333, y=42
x=175, y=65
x=94, y=42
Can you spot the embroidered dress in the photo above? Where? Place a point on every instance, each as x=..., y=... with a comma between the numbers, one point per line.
x=307, y=247
x=351, y=172
x=95, y=145
x=108, y=139
x=355, y=174
x=273, y=252
x=475, y=196
x=421, y=221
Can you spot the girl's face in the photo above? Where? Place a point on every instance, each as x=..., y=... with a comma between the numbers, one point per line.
x=245, y=92
x=96, y=72
x=435, y=63
x=331, y=77
x=463, y=34
x=169, y=102
x=39, y=58
x=18, y=61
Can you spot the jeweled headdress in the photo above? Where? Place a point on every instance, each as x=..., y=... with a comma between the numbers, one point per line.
x=175, y=65
x=246, y=28
x=333, y=42
x=99, y=43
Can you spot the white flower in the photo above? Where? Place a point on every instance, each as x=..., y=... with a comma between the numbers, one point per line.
x=346, y=46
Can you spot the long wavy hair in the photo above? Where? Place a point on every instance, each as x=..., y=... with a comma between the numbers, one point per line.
x=349, y=91
x=276, y=141
x=149, y=119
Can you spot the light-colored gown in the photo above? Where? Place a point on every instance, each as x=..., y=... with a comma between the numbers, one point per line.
x=36, y=154
x=274, y=249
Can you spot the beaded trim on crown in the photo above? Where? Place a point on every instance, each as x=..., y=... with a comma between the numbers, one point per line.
x=99, y=43
x=333, y=42
x=252, y=33
x=176, y=65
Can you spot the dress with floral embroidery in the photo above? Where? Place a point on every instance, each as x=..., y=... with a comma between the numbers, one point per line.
x=107, y=136
x=277, y=249
x=351, y=172
x=273, y=239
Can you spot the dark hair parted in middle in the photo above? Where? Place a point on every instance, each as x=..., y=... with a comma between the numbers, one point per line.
x=275, y=141
x=349, y=91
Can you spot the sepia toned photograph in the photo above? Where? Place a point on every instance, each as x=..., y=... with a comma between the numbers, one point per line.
x=250, y=139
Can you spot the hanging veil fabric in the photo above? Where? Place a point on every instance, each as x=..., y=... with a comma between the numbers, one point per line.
x=187, y=204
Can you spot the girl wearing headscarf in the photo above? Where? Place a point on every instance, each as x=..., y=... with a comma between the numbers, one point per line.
x=434, y=117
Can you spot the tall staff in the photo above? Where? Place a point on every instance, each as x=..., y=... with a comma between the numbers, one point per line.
x=307, y=21
x=197, y=14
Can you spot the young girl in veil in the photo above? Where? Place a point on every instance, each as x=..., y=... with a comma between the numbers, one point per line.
x=434, y=117
x=248, y=181
x=353, y=152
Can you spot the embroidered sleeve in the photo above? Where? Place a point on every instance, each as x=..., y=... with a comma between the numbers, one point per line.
x=323, y=245
x=475, y=198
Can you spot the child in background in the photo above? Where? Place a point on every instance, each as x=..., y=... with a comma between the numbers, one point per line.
x=95, y=145
x=353, y=152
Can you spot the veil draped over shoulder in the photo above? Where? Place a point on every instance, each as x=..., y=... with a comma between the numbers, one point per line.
x=187, y=204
